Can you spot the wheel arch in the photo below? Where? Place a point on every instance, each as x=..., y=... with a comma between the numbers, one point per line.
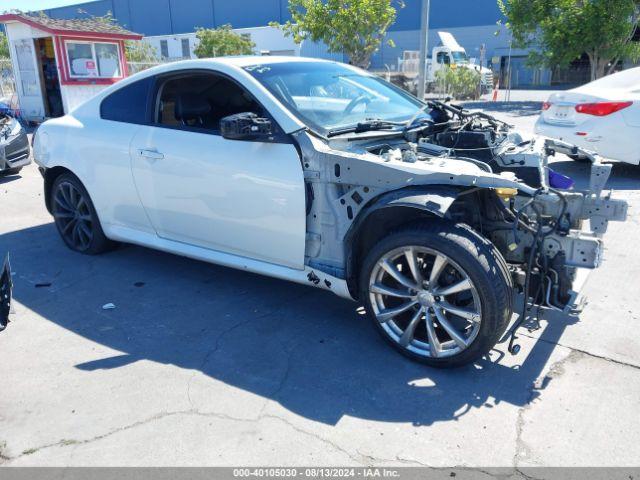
x=50, y=175
x=388, y=212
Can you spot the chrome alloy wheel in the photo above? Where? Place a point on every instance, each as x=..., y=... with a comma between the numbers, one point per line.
x=425, y=301
x=73, y=216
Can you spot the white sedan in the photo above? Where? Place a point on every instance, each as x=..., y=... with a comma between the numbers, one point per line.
x=320, y=173
x=602, y=116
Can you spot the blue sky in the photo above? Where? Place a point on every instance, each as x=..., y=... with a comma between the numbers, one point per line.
x=27, y=5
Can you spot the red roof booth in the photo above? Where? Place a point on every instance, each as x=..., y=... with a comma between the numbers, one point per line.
x=58, y=64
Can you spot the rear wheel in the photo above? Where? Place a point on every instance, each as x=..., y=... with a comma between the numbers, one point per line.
x=439, y=293
x=76, y=218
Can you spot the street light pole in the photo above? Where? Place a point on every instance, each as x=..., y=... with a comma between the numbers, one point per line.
x=424, y=48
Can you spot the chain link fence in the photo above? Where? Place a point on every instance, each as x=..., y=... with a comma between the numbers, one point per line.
x=7, y=79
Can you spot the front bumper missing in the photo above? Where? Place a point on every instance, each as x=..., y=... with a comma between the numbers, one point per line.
x=584, y=249
x=586, y=214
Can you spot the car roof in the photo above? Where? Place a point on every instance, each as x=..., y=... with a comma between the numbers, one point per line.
x=246, y=60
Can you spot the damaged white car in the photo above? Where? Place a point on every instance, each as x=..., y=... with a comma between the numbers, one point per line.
x=317, y=172
x=14, y=146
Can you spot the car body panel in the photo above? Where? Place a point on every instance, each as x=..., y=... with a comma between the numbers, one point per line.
x=239, y=197
x=101, y=162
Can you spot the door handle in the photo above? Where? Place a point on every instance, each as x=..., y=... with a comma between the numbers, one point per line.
x=151, y=154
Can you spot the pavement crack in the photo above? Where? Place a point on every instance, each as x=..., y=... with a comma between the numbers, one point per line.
x=525, y=475
x=584, y=352
x=67, y=442
x=412, y=461
x=220, y=337
x=555, y=370
x=211, y=352
x=386, y=461
x=326, y=441
x=3, y=458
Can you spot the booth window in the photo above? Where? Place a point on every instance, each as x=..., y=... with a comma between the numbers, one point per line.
x=93, y=60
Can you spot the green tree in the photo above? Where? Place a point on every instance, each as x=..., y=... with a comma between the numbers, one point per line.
x=222, y=41
x=4, y=46
x=140, y=51
x=563, y=30
x=355, y=27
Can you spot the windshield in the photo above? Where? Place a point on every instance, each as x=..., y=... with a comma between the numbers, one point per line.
x=460, y=57
x=329, y=96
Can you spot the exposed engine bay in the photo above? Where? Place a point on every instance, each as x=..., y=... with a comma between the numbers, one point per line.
x=504, y=187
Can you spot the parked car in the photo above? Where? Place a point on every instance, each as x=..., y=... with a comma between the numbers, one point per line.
x=323, y=174
x=15, y=152
x=602, y=116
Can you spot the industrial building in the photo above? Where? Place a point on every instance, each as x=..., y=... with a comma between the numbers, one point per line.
x=170, y=24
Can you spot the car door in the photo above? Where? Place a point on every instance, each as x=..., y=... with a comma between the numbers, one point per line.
x=245, y=198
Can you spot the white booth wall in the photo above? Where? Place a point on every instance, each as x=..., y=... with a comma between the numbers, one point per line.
x=28, y=78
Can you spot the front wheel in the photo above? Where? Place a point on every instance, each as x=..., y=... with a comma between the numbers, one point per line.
x=438, y=292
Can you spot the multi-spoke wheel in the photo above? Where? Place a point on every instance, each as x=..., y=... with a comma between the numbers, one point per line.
x=75, y=216
x=439, y=293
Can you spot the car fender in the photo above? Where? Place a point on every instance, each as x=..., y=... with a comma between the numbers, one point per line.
x=434, y=200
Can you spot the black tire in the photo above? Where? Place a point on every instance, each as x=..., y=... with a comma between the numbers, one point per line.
x=10, y=171
x=484, y=266
x=94, y=244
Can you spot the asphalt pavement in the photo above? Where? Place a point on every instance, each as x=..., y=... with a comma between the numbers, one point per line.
x=203, y=365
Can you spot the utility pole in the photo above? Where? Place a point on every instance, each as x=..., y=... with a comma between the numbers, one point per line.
x=424, y=49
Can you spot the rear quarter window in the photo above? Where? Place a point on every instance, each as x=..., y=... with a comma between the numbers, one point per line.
x=128, y=104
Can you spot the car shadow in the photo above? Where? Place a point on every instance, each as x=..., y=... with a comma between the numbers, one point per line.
x=310, y=351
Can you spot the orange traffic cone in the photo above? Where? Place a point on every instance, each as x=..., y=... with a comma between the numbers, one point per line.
x=495, y=91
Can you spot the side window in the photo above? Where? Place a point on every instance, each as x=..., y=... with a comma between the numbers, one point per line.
x=443, y=57
x=186, y=48
x=164, y=49
x=198, y=101
x=128, y=104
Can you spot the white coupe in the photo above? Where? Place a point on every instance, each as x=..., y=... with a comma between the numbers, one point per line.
x=323, y=174
x=602, y=116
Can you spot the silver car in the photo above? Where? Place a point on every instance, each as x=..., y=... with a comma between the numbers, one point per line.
x=14, y=146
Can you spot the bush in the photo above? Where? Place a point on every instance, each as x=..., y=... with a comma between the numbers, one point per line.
x=460, y=83
x=222, y=41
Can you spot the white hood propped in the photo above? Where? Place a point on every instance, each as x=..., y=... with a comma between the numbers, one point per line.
x=449, y=41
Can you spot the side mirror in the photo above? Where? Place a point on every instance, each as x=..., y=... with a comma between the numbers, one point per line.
x=246, y=126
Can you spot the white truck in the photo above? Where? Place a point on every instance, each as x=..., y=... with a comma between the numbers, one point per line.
x=448, y=53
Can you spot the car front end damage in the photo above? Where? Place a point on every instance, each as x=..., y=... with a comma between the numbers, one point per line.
x=467, y=168
x=14, y=145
